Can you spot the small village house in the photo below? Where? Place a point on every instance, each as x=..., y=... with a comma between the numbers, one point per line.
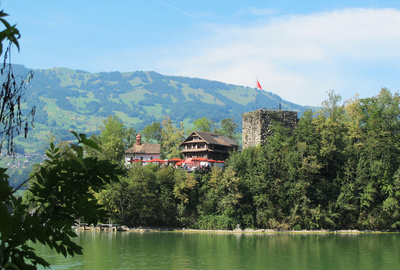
x=142, y=152
x=208, y=145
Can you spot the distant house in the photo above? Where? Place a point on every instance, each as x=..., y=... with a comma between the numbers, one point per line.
x=208, y=145
x=141, y=151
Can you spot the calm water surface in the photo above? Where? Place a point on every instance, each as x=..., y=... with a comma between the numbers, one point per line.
x=125, y=250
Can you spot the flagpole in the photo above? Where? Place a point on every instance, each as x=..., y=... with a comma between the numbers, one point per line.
x=256, y=101
x=259, y=87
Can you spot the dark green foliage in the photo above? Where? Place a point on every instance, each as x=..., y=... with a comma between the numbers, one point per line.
x=16, y=177
x=160, y=86
x=338, y=169
x=12, y=120
x=65, y=104
x=143, y=198
x=60, y=191
x=41, y=117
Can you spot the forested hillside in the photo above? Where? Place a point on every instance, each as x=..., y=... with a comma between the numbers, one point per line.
x=77, y=100
x=72, y=99
x=338, y=169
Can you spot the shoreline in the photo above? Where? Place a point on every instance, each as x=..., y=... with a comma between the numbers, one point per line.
x=259, y=231
x=235, y=231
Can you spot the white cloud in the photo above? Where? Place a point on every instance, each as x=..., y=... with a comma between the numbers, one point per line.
x=300, y=57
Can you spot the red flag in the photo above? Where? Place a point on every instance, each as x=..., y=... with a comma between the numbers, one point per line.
x=259, y=85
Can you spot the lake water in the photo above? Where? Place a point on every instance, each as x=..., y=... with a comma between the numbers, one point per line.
x=127, y=250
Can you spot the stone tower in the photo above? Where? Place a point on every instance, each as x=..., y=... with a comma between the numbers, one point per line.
x=257, y=125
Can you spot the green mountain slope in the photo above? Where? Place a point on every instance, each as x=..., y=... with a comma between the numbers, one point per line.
x=72, y=99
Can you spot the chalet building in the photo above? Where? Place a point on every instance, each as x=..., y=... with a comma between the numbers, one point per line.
x=142, y=152
x=208, y=145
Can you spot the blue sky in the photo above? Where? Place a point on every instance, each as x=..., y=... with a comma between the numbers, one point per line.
x=297, y=49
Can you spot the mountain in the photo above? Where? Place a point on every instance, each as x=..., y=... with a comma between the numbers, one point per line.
x=74, y=99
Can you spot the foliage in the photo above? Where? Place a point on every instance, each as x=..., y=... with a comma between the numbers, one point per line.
x=143, y=197
x=171, y=138
x=70, y=97
x=113, y=139
x=338, y=169
x=228, y=128
x=12, y=120
x=152, y=133
x=60, y=192
x=10, y=33
x=202, y=124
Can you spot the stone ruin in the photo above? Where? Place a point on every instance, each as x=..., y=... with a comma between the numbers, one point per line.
x=257, y=125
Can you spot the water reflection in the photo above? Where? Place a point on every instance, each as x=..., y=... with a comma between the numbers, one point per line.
x=106, y=250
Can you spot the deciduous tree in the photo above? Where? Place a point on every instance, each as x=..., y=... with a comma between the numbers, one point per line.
x=172, y=137
x=203, y=124
x=228, y=127
x=61, y=188
x=152, y=133
x=114, y=139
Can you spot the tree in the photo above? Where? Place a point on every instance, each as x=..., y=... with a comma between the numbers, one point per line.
x=376, y=178
x=143, y=197
x=13, y=122
x=228, y=127
x=130, y=137
x=114, y=139
x=203, y=124
x=172, y=138
x=152, y=133
x=221, y=197
x=61, y=189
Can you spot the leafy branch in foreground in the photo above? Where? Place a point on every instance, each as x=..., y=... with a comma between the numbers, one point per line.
x=12, y=121
x=61, y=191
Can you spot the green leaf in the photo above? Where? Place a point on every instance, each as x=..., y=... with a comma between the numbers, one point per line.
x=71, y=233
x=5, y=189
x=91, y=144
x=82, y=136
x=2, y=171
x=6, y=224
x=75, y=134
x=73, y=157
x=63, y=250
x=49, y=155
x=70, y=251
x=78, y=149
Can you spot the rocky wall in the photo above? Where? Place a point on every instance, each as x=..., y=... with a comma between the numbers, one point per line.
x=257, y=125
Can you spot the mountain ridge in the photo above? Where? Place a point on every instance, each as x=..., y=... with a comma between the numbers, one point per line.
x=75, y=99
